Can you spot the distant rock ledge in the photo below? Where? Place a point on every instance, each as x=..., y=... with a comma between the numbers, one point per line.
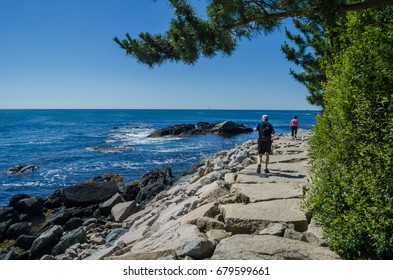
x=201, y=128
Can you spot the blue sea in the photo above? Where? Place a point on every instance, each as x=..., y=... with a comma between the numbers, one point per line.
x=71, y=146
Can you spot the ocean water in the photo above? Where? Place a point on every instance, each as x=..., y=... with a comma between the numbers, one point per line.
x=71, y=146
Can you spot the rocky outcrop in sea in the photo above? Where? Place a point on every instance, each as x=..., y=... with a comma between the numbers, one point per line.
x=219, y=209
x=201, y=128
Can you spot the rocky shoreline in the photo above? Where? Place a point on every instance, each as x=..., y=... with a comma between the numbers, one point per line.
x=219, y=209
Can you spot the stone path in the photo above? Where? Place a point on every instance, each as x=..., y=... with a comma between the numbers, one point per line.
x=228, y=211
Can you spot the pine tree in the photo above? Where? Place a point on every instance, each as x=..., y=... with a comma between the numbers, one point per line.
x=191, y=37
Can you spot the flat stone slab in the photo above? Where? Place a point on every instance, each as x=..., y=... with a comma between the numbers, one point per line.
x=264, y=192
x=249, y=218
x=272, y=177
x=268, y=247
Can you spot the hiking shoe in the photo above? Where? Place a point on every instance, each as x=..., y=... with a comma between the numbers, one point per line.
x=259, y=168
x=267, y=170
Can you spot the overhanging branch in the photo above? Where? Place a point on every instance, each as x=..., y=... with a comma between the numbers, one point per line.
x=315, y=11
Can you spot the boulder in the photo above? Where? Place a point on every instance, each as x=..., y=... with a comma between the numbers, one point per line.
x=8, y=213
x=249, y=218
x=121, y=211
x=106, y=206
x=54, y=200
x=65, y=214
x=88, y=194
x=201, y=128
x=3, y=229
x=154, y=182
x=30, y=205
x=197, y=249
x=131, y=191
x=68, y=239
x=25, y=241
x=230, y=127
x=175, y=130
x=45, y=242
x=73, y=224
x=269, y=247
x=16, y=230
x=21, y=169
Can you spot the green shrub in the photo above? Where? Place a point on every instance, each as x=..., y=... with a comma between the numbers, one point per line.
x=352, y=150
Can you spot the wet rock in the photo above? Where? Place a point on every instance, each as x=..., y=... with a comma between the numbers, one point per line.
x=202, y=128
x=21, y=169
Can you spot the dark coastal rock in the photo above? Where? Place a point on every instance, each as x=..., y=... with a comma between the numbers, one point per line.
x=131, y=191
x=68, y=239
x=73, y=224
x=14, y=254
x=65, y=215
x=175, y=130
x=25, y=241
x=45, y=242
x=21, y=169
x=154, y=182
x=30, y=205
x=8, y=213
x=88, y=194
x=16, y=230
x=230, y=127
x=201, y=128
x=16, y=197
x=3, y=229
x=54, y=200
x=110, y=149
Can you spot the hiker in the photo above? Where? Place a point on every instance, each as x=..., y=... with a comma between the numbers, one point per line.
x=294, y=124
x=265, y=131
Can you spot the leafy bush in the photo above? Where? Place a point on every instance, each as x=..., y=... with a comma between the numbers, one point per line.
x=352, y=150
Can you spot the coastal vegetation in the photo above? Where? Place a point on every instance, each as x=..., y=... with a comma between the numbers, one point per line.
x=345, y=50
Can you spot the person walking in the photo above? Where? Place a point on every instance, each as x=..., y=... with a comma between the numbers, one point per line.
x=265, y=132
x=294, y=124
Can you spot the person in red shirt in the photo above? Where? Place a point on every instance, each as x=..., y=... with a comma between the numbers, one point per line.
x=294, y=124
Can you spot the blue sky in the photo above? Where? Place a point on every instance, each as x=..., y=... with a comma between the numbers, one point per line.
x=61, y=54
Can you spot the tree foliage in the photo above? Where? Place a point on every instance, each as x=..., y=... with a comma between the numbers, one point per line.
x=308, y=49
x=352, y=150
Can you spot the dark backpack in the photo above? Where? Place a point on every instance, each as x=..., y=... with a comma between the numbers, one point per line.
x=265, y=131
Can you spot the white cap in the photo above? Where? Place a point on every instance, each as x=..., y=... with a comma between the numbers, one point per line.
x=265, y=117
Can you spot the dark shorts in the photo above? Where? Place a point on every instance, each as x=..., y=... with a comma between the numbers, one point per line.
x=264, y=146
x=293, y=130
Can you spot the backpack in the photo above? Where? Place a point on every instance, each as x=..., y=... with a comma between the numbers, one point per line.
x=265, y=131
